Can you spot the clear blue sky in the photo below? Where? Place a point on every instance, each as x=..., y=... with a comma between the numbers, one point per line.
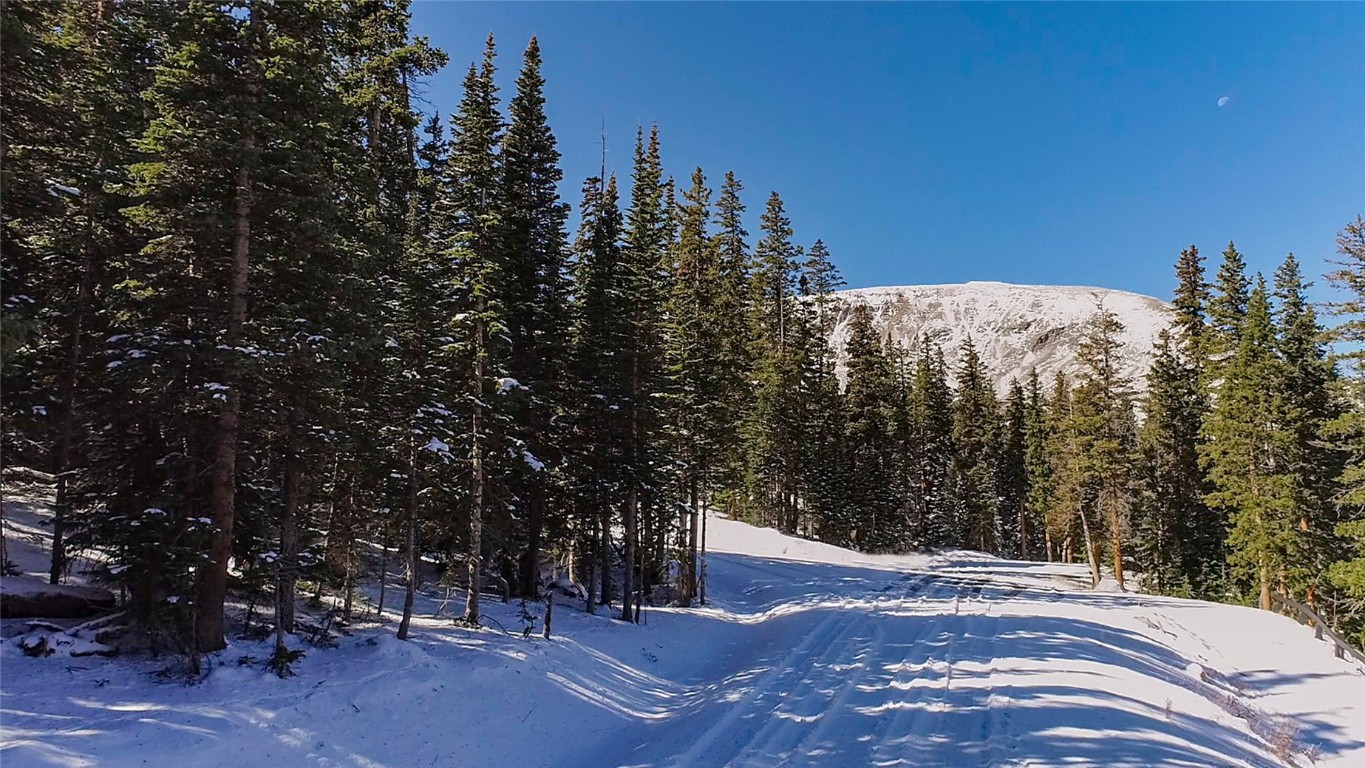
x=926, y=143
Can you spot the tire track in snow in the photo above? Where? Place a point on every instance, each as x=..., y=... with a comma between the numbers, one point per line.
x=785, y=737
x=996, y=730
x=937, y=729
x=886, y=741
x=712, y=746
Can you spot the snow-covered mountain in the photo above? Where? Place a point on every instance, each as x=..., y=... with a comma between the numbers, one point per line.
x=1015, y=327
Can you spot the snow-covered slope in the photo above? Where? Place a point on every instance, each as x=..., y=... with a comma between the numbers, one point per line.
x=807, y=655
x=1015, y=327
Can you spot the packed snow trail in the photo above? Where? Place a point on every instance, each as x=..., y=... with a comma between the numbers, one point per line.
x=808, y=655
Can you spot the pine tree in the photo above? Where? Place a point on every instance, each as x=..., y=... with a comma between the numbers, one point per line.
x=822, y=471
x=601, y=381
x=300, y=312
x=1347, y=431
x=394, y=372
x=771, y=436
x=733, y=350
x=1037, y=469
x=1243, y=452
x=1306, y=384
x=931, y=422
x=33, y=122
x=1171, y=522
x=1200, y=532
x=1227, y=307
x=1012, y=474
x=1066, y=473
x=64, y=191
x=198, y=187
x=1191, y=301
x=465, y=230
x=532, y=235
x=647, y=240
x=975, y=425
x=869, y=417
x=1105, y=429
x=694, y=367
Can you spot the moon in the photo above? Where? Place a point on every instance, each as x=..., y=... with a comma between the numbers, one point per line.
x=1223, y=101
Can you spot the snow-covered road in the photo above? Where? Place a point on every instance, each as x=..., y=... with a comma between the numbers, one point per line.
x=808, y=655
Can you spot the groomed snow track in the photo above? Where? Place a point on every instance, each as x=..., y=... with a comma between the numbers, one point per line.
x=808, y=655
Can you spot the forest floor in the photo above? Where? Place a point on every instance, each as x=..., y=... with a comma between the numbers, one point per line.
x=806, y=654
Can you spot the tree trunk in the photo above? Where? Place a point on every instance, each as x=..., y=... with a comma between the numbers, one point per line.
x=287, y=579
x=530, y=557
x=1265, y=585
x=628, y=578
x=349, y=553
x=213, y=578
x=549, y=611
x=348, y=602
x=1091, y=553
x=590, y=554
x=414, y=562
x=604, y=565
x=1116, y=534
x=694, y=536
x=640, y=582
x=701, y=578
x=66, y=433
x=383, y=578
x=471, y=611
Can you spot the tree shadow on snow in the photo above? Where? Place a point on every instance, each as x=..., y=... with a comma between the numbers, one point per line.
x=889, y=670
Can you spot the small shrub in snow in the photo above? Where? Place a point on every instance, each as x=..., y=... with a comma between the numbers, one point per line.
x=1284, y=739
x=281, y=663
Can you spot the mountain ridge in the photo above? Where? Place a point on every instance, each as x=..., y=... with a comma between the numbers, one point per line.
x=1015, y=327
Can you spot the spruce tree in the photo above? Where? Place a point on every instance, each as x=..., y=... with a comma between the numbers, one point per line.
x=823, y=469
x=733, y=351
x=1347, y=431
x=1012, y=474
x=1191, y=301
x=693, y=328
x=772, y=439
x=1070, y=491
x=1171, y=525
x=465, y=230
x=198, y=186
x=1227, y=307
x=1309, y=406
x=64, y=191
x=532, y=235
x=394, y=391
x=647, y=240
x=932, y=452
x=1105, y=429
x=1037, y=470
x=601, y=379
x=976, y=452
x=867, y=431
x=29, y=151
x=1244, y=453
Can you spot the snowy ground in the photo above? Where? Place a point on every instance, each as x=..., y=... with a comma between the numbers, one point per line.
x=808, y=655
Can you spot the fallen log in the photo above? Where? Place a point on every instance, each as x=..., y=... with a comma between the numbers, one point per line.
x=23, y=597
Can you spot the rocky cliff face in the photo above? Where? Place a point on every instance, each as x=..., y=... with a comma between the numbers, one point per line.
x=1015, y=327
